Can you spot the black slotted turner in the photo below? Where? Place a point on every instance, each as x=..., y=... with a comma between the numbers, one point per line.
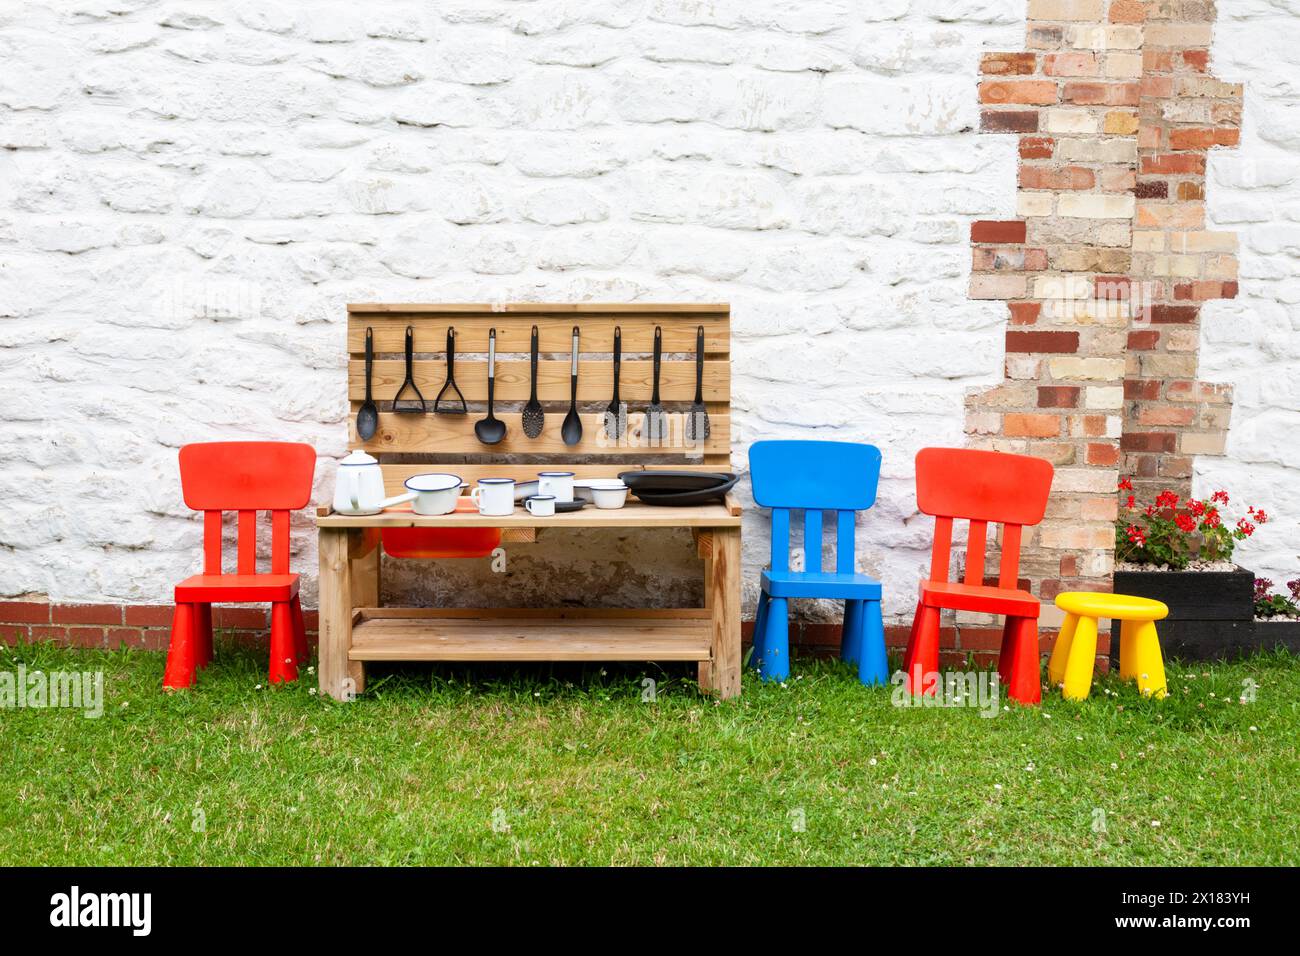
x=656, y=419
x=407, y=405
x=534, y=418
x=697, y=419
x=451, y=382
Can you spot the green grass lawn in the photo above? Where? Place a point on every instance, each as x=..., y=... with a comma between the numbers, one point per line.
x=492, y=765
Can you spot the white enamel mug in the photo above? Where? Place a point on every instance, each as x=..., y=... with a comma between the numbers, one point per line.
x=540, y=506
x=557, y=483
x=494, y=496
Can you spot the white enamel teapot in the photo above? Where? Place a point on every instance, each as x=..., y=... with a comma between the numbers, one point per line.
x=359, y=487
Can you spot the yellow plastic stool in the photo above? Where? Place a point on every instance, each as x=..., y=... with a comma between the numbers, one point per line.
x=1139, y=645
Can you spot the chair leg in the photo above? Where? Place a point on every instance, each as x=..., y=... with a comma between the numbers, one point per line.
x=775, y=662
x=874, y=665
x=181, y=658
x=911, y=640
x=851, y=633
x=760, y=626
x=283, y=664
x=1083, y=656
x=1127, y=659
x=301, y=654
x=1007, y=652
x=925, y=652
x=203, y=649
x=1024, y=671
x=1061, y=651
x=1148, y=660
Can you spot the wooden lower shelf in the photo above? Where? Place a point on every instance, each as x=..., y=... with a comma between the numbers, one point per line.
x=404, y=634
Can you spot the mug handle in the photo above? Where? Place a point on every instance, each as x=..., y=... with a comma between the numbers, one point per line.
x=528, y=506
x=474, y=496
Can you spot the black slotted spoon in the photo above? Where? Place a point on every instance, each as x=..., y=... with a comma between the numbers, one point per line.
x=616, y=414
x=534, y=417
x=407, y=405
x=368, y=413
x=656, y=419
x=697, y=419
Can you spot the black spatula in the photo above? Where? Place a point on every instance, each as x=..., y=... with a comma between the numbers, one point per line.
x=616, y=414
x=697, y=419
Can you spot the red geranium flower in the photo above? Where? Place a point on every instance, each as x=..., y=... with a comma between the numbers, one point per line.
x=1166, y=499
x=1185, y=523
x=1220, y=496
x=1125, y=485
x=1150, y=511
x=1260, y=517
x=1196, y=507
x=1212, y=519
x=1135, y=535
x=1131, y=503
x=1245, y=527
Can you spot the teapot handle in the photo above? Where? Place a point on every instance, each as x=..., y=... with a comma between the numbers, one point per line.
x=354, y=489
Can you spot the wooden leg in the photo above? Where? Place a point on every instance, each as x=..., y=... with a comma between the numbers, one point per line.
x=180, y=652
x=203, y=649
x=335, y=614
x=1083, y=655
x=1061, y=651
x=365, y=578
x=724, y=607
x=1148, y=661
x=851, y=633
x=873, y=668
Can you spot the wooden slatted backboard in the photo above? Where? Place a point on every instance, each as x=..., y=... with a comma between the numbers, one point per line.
x=407, y=444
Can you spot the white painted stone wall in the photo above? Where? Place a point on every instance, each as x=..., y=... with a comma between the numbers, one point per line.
x=190, y=192
x=1254, y=341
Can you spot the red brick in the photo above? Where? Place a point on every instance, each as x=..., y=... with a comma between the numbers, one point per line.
x=1037, y=147
x=1143, y=340
x=1101, y=94
x=1054, y=342
x=253, y=618
x=56, y=634
x=155, y=639
x=1175, y=415
x=992, y=230
x=86, y=636
x=1128, y=11
x=1056, y=177
x=1094, y=426
x=1028, y=425
x=1031, y=92
x=86, y=613
x=1189, y=191
x=1008, y=64
x=1198, y=60
x=1161, y=314
x=1009, y=121
x=149, y=615
x=15, y=634
x=1058, y=396
x=24, y=612
x=1071, y=64
x=980, y=638
x=1148, y=441
x=1024, y=313
x=1102, y=454
x=1174, y=164
x=1203, y=137
x=1138, y=390
x=119, y=636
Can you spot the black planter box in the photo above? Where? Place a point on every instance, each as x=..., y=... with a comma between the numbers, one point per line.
x=1281, y=632
x=1211, y=613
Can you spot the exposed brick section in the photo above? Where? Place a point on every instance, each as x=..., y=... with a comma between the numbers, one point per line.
x=1118, y=107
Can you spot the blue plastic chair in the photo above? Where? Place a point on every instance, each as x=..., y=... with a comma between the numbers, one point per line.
x=817, y=477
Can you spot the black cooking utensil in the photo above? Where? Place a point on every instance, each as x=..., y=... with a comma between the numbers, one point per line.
x=534, y=417
x=491, y=430
x=451, y=381
x=697, y=419
x=409, y=407
x=616, y=413
x=656, y=419
x=571, y=430
x=368, y=413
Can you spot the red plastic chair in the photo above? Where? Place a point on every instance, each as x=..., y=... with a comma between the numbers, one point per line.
x=246, y=477
x=984, y=487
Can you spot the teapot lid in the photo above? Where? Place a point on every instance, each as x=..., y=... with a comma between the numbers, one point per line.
x=359, y=457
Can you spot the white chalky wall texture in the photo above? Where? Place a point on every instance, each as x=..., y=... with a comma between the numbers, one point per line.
x=190, y=193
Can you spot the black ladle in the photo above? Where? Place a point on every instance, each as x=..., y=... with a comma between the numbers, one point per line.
x=571, y=430
x=368, y=413
x=491, y=430
x=615, y=416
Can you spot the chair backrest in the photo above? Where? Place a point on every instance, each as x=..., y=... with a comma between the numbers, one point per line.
x=247, y=477
x=814, y=476
x=982, y=487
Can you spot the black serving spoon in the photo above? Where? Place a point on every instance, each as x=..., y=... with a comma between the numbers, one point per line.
x=534, y=417
x=491, y=430
x=615, y=416
x=368, y=413
x=571, y=430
